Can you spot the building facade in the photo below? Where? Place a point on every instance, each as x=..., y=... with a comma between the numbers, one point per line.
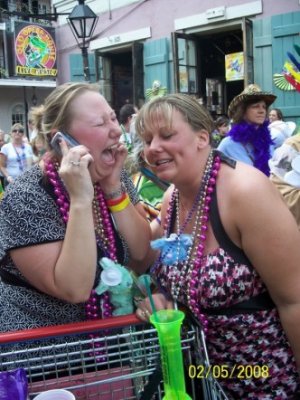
x=206, y=49
x=27, y=58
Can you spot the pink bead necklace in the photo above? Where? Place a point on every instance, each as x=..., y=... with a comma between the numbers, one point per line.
x=96, y=306
x=189, y=269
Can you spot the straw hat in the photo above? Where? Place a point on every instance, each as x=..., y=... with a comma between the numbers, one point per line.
x=254, y=92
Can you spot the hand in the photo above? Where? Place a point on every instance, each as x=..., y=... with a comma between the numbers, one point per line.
x=112, y=182
x=10, y=179
x=144, y=309
x=74, y=172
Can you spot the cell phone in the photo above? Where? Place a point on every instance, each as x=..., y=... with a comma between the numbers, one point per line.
x=71, y=142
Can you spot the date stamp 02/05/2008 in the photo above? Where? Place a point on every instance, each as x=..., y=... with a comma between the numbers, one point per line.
x=228, y=372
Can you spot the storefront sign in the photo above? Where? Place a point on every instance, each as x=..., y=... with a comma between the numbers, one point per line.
x=234, y=66
x=35, y=50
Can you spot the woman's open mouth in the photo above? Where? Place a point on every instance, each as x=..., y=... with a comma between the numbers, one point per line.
x=108, y=155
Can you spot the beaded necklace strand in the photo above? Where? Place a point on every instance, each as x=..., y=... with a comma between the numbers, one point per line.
x=189, y=269
x=96, y=306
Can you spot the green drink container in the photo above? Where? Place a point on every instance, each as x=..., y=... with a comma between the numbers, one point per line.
x=167, y=324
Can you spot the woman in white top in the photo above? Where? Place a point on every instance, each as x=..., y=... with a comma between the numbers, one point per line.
x=16, y=156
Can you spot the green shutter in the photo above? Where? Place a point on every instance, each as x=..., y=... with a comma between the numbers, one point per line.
x=262, y=53
x=273, y=37
x=285, y=33
x=156, y=62
x=76, y=68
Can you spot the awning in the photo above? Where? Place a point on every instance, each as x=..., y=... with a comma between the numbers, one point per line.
x=26, y=82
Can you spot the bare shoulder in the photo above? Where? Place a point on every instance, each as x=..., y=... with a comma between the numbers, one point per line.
x=246, y=185
x=248, y=202
x=259, y=222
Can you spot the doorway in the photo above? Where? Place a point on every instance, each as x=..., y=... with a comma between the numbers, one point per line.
x=200, y=67
x=217, y=91
x=120, y=75
x=115, y=70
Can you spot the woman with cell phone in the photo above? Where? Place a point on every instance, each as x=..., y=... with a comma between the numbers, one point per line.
x=73, y=208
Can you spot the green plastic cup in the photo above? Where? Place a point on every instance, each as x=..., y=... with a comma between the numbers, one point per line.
x=167, y=324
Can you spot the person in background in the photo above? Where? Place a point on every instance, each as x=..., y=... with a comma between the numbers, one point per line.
x=149, y=187
x=125, y=117
x=32, y=130
x=228, y=251
x=275, y=114
x=2, y=142
x=15, y=156
x=280, y=131
x=285, y=174
x=249, y=139
x=2, y=138
x=39, y=147
x=222, y=126
x=73, y=208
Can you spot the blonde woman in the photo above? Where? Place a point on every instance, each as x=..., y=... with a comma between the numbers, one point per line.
x=73, y=208
x=239, y=273
x=15, y=156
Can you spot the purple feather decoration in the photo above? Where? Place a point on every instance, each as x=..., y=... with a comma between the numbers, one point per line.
x=259, y=138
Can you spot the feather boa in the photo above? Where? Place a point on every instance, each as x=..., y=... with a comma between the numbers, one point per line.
x=259, y=138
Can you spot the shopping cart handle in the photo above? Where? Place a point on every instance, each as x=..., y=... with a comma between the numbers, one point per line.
x=69, y=329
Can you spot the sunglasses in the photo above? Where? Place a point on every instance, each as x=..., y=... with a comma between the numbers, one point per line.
x=18, y=130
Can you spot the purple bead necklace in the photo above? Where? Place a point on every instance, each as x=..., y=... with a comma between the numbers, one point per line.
x=95, y=307
x=189, y=270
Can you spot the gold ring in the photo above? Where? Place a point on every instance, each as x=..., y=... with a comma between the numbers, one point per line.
x=75, y=163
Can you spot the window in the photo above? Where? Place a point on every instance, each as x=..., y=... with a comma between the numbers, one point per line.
x=187, y=66
x=18, y=114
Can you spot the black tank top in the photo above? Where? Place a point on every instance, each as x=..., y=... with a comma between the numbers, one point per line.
x=218, y=229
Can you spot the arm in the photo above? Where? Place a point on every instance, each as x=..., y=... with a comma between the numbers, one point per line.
x=156, y=232
x=3, y=168
x=268, y=234
x=131, y=222
x=66, y=269
x=135, y=229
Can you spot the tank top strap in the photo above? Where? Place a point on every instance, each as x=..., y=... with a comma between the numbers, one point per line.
x=218, y=229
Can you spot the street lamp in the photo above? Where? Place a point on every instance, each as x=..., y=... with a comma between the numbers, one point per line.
x=83, y=21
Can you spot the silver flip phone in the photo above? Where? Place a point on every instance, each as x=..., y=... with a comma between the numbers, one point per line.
x=71, y=142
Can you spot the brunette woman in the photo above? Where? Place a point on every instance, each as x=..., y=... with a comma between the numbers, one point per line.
x=249, y=139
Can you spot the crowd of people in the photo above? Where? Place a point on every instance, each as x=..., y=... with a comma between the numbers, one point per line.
x=150, y=179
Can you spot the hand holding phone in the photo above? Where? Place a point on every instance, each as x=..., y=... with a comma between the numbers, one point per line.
x=55, y=142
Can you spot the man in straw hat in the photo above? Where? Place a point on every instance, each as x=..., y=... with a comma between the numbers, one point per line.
x=249, y=139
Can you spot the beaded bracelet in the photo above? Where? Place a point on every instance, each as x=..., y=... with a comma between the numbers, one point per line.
x=120, y=206
x=115, y=202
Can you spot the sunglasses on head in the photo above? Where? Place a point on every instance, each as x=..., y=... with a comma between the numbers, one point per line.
x=18, y=130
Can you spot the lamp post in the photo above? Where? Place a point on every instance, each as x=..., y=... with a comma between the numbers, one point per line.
x=82, y=22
